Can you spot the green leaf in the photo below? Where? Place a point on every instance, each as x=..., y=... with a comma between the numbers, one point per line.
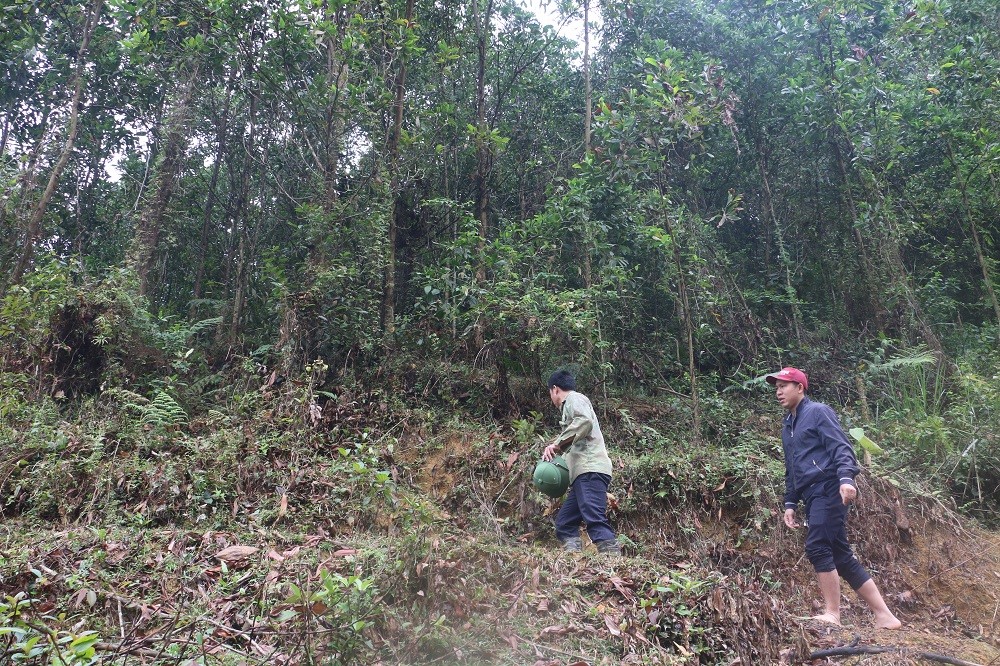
x=866, y=444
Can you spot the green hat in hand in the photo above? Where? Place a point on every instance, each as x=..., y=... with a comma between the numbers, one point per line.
x=552, y=478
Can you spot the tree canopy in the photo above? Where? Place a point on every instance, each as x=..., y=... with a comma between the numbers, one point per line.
x=701, y=192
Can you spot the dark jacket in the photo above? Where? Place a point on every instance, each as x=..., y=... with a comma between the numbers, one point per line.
x=816, y=449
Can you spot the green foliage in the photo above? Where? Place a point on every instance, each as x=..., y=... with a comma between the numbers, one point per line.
x=344, y=605
x=531, y=318
x=28, y=637
x=26, y=309
x=677, y=616
x=161, y=411
x=865, y=442
x=526, y=429
x=766, y=183
x=909, y=390
x=744, y=473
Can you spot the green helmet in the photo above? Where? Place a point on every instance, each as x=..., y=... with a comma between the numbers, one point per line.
x=552, y=478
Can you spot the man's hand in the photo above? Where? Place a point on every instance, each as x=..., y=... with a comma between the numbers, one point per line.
x=550, y=452
x=848, y=493
x=790, y=521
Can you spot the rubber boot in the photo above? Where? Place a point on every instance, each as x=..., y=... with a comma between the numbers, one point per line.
x=609, y=547
x=572, y=545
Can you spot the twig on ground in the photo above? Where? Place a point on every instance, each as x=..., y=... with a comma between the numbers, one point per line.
x=120, y=648
x=578, y=657
x=846, y=651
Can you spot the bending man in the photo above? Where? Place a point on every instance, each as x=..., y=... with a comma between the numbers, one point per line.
x=582, y=444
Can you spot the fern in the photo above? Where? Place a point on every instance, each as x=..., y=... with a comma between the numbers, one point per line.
x=911, y=384
x=908, y=358
x=209, y=303
x=200, y=326
x=163, y=410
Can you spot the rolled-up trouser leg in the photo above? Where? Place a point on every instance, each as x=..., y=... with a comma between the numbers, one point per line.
x=826, y=542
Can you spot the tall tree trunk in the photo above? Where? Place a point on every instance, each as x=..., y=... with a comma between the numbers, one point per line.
x=984, y=265
x=151, y=221
x=687, y=318
x=897, y=273
x=588, y=106
x=786, y=260
x=87, y=197
x=337, y=72
x=871, y=275
x=484, y=149
x=243, y=222
x=389, y=290
x=34, y=227
x=26, y=182
x=586, y=264
x=5, y=132
x=206, y=220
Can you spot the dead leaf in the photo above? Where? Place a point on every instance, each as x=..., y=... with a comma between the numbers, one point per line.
x=512, y=458
x=283, y=506
x=554, y=630
x=622, y=588
x=612, y=625
x=270, y=380
x=235, y=553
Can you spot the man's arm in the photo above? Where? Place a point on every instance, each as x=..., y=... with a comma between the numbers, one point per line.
x=841, y=452
x=578, y=428
x=836, y=442
x=791, y=498
x=575, y=426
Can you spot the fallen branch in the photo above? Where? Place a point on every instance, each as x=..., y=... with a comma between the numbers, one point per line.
x=540, y=646
x=847, y=650
x=122, y=648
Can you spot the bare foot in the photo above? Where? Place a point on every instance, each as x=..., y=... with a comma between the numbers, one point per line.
x=887, y=621
x=827, y=617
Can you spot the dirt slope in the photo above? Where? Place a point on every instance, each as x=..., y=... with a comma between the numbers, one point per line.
x=458, y=565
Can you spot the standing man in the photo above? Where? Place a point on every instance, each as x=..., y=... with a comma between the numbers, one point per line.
x=582, y=445
x=819, y=470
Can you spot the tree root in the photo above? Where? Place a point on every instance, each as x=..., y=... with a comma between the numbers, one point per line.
x=848, y=650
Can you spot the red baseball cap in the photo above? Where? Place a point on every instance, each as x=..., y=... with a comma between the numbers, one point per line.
x=789, y=375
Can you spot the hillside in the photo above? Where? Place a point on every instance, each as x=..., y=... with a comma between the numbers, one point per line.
x=281, y=282
x=242, y=538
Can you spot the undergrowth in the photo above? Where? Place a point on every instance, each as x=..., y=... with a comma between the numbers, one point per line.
x=174, y=512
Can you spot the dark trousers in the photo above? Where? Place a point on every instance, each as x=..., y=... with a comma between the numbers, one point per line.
x=587, y=502
x=826, y=540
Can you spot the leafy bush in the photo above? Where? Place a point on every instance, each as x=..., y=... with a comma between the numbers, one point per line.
x=27, y=636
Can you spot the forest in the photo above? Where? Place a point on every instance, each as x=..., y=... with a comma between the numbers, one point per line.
x=282, y=281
